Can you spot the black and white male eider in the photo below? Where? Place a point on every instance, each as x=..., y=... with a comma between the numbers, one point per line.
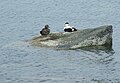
x=45, y=31
x=68, y=28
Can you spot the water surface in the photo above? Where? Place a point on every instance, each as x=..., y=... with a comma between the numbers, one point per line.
x=20, y=20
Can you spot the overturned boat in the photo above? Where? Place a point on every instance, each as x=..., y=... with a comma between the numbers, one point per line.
x=99, y=36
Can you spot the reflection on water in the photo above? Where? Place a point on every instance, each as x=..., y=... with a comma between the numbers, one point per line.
x=98, y=48
x=101, y=53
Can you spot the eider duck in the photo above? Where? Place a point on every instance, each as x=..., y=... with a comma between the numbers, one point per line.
x=68, y=28
x=45, y=30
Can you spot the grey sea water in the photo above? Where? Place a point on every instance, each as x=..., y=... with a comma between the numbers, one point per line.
x=20, y=20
